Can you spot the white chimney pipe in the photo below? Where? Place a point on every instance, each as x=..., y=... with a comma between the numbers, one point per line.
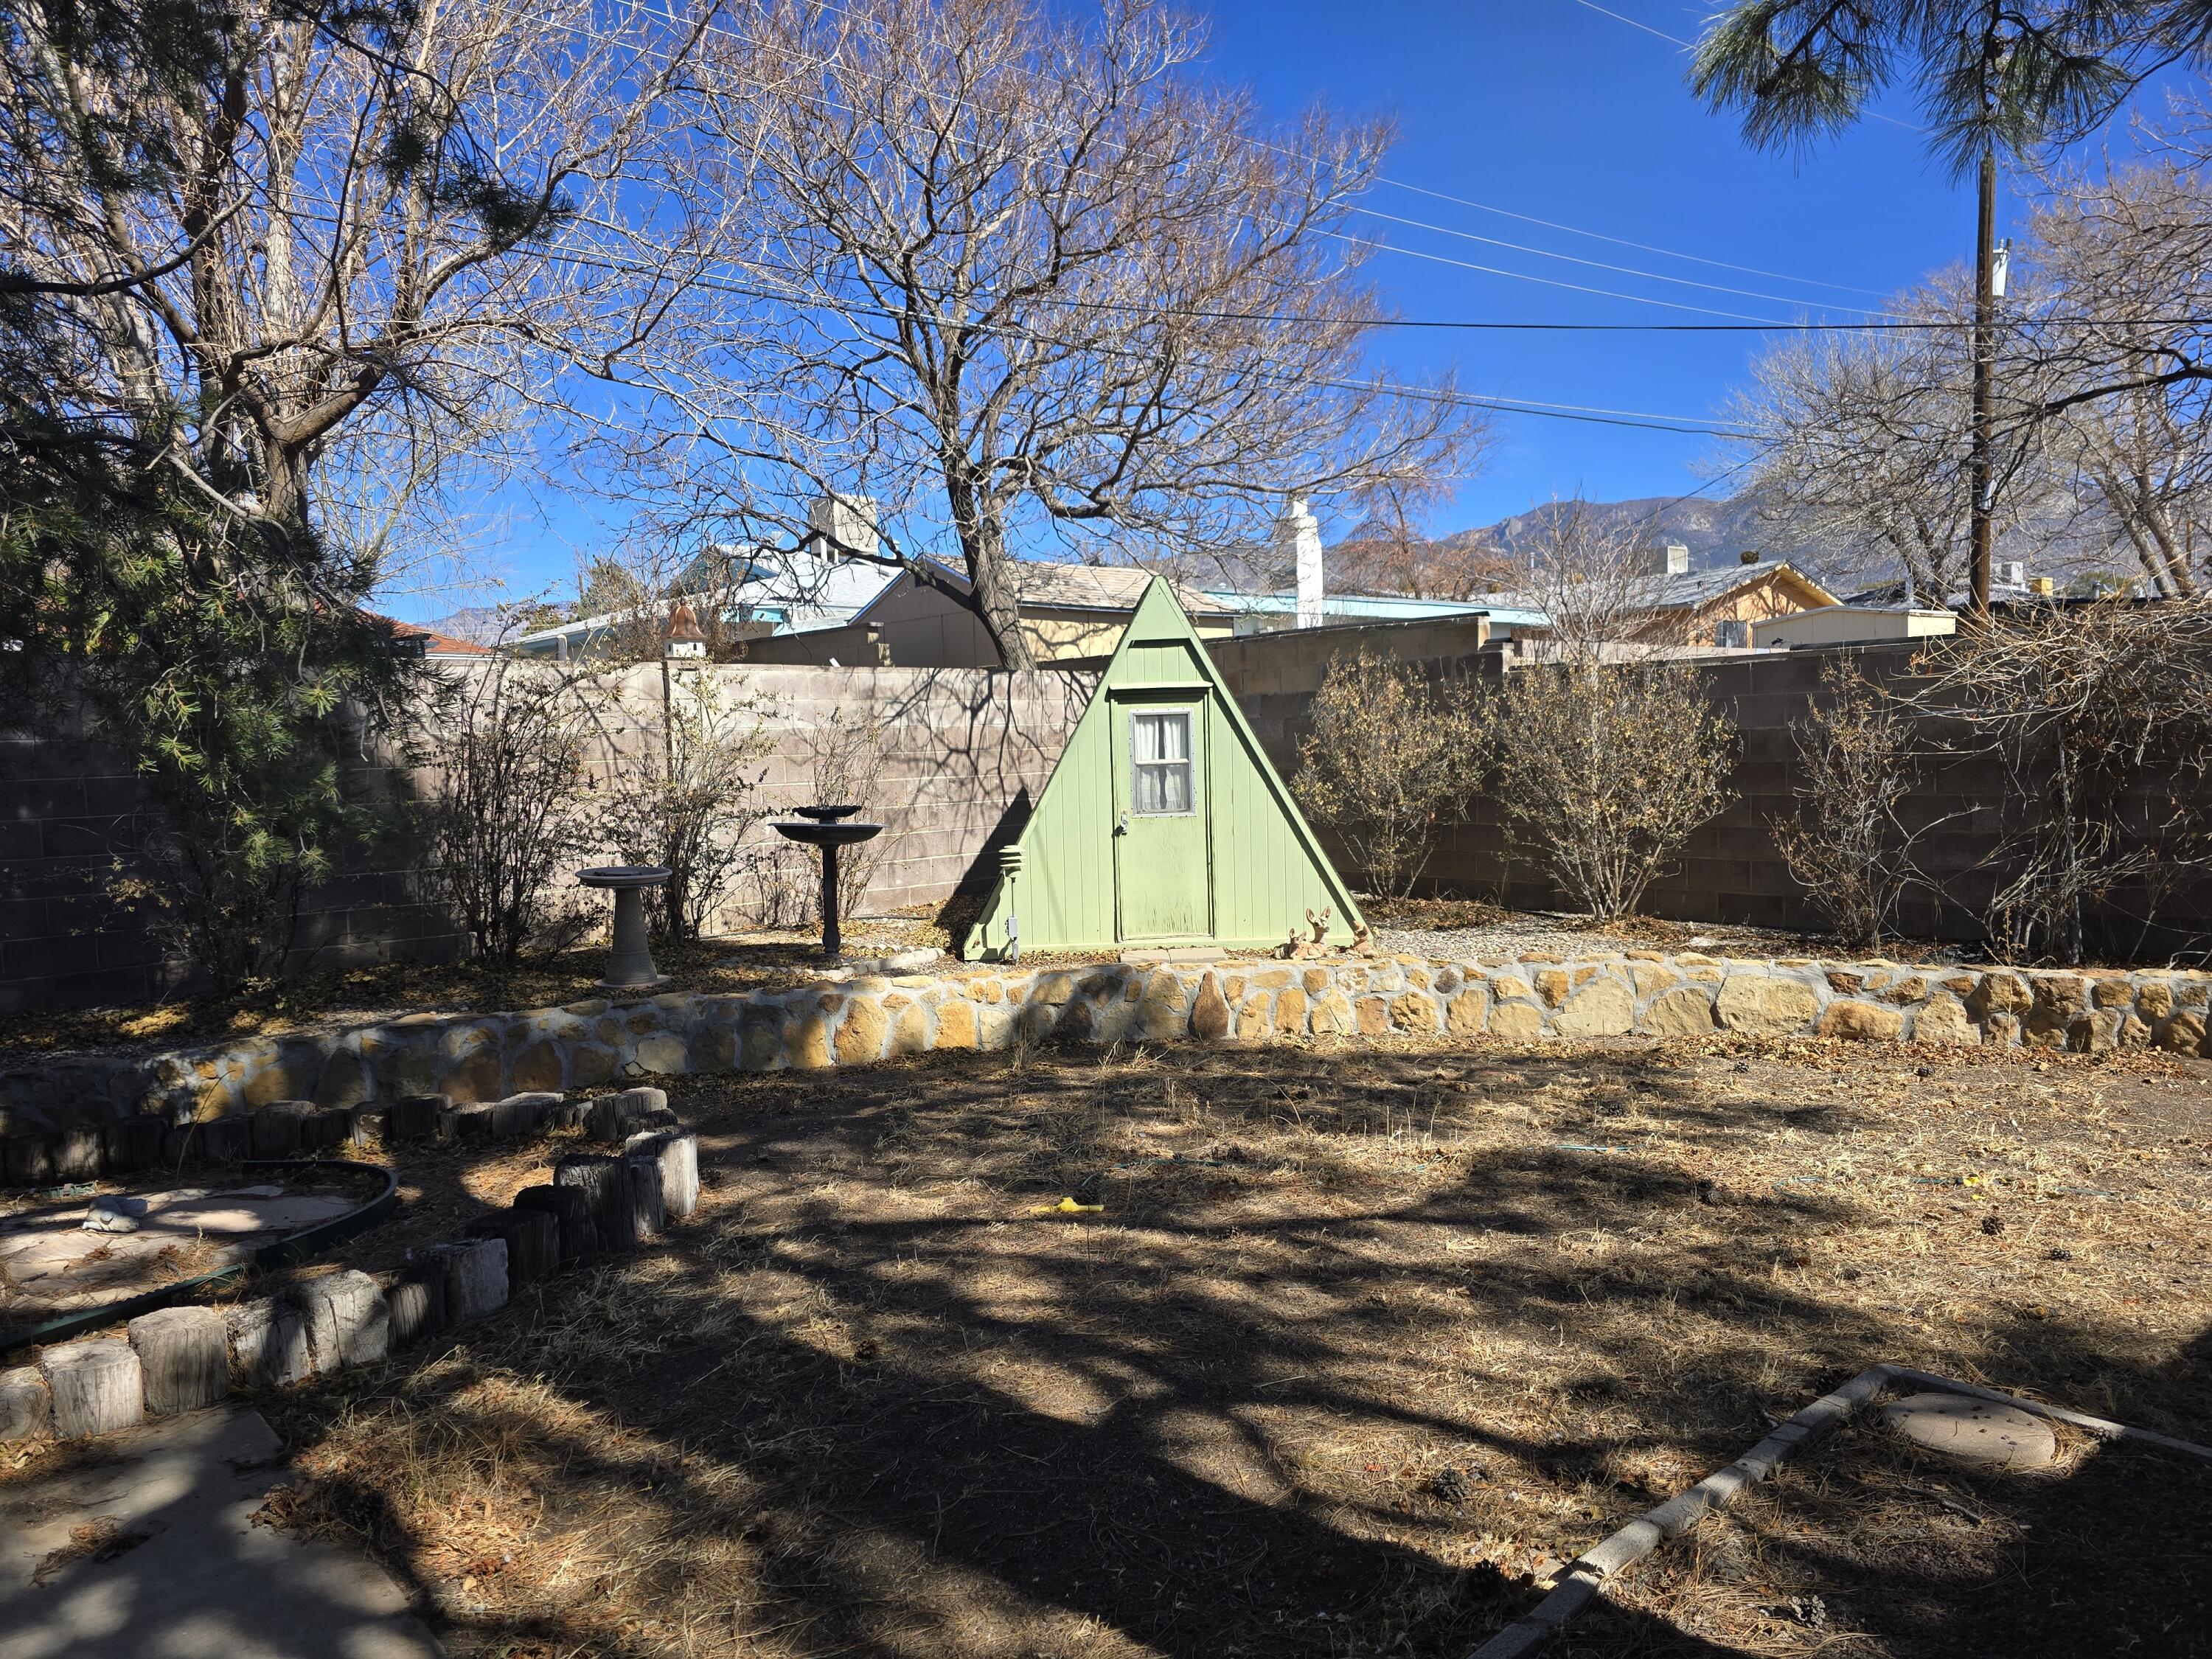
x=1298, y=532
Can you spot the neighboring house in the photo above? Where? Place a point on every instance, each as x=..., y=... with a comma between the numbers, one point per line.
x=1675, y=604
x=762, y=595
x=1274, y=613
x=1068, y=612
x=1853, y=624
x=434, y=645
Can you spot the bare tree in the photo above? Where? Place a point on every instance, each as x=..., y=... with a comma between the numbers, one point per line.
x=2115, y=364
x=988, y=270
x=1390, y=549
x=1596, y=580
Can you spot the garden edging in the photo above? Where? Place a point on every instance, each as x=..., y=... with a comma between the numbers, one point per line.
x=594, y=1044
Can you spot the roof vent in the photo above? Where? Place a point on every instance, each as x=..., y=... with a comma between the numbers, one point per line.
x=1672, y=560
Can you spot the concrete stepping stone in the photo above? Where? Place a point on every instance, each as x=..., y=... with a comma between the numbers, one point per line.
x=1973, y=1430
x=178, y=1567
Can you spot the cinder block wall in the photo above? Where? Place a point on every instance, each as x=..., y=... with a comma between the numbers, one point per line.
x=1731, y=871
x=966, y=751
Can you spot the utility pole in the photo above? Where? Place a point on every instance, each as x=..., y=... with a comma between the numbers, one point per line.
x=1980, y=468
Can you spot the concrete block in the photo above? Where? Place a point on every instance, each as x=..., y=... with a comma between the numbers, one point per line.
x=131, y=1143
x=183, y=1358
x=278, y=1127
x=416, y=1305
x=27, y=1406
x=678, y=1156
x=76, y=1154
x=97, y=1387
x=571, y=1210
x=345, y=1317
x=475, y=1272
x=267, y=1343
x=533, y=1236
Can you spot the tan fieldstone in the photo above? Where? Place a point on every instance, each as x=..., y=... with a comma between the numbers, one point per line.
x=2000, y=1030
x=475, y=1078
x=860, y=1038
x=537, y=1069
x=1209, y=1013
x=2115, y=992
x=1449, y=979
x=343, y=1080
x=2045, y=1028
x=1055, y=989
x=1272, y=979
x=2134, y=1034
x=995, y=1026
x=1254, y=1017
x=1417, y=978
x=955, y=1025
x=663, y=1054
x=1552, y=984
x=1467, y=1014
x=589, y=1067
x=1603, y=1008
x=910, y=1032
x=806, y=1042
x=2183, y=1034
x=1684, y=1013
x=988, y=990
x=1075, y=1024
x=1908, y=991
x=2001, y=993
x=762, y=1046
x=1516, y=1022
x=1318, y=979
x=1582, y=976
x=714, y=1048
x=1960, y=984
x=1650, y=981
x=1689, y=957
x=1161, y=1014
x=1332, y=1015
x=1845, y=983
x=1374, y=1016
x=2095, y=1033
x=1943, y=1023
x=1862, y=1022
x=1416, y=1012
x=893, y=1002
x=1290, y=1011
x=1759, y=1007
x=2154, y=1001
x=1704, y=975
x=1512, y=984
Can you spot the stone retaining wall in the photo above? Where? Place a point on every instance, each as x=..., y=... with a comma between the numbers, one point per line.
x=586, y=1045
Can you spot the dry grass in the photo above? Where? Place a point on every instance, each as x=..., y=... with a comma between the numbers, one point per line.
x=1365, y=1339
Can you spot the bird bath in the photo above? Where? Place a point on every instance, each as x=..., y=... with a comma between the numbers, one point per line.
x=630, y=967
x=828, y=828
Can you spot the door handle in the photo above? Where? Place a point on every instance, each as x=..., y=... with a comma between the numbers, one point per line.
x=1122, y=828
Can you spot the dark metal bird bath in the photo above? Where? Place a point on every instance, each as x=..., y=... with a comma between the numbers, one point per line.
x=631, y=966
x=828, y=828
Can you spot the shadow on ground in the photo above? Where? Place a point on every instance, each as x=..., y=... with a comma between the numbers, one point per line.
x=1363, y=1344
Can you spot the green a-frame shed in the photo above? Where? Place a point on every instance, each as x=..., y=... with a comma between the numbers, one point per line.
x=1164, y=825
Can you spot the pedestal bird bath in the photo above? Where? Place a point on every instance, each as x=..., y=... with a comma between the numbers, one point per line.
x=828, y=828
x=630, y=967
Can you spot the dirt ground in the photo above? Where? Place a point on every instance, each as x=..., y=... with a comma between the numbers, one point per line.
x=1364, y=1341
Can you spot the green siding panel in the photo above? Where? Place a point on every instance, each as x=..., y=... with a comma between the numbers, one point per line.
x=1263, y=867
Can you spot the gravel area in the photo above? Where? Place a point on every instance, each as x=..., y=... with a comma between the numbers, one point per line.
x=1563, y=934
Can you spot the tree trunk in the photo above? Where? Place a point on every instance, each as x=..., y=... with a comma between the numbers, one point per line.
x=993, y=593
x=606, y=1186
x=96, y=1387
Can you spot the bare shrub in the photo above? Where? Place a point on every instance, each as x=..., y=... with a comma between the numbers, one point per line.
x=1848, y=847
x=1387, y=755
x=2097, y=716
x=1603, y=771
x=688, y=794
x=507, y=748
x=848, y=771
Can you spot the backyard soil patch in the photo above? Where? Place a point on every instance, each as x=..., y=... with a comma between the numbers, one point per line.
x=1364, y=1341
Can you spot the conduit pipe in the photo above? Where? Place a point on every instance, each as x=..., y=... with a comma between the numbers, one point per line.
x=1579, y=1584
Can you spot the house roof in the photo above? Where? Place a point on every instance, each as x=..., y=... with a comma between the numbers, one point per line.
x=1692, y=589
x=1051, y=587
x=1372, y=607
x=435, y=644
x=808, y=589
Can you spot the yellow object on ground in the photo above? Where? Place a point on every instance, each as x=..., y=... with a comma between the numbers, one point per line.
x=1068, y=1207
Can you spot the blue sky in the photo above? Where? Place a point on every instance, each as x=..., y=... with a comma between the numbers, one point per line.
x=1559, y=110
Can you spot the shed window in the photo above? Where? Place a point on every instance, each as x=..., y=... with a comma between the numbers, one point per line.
x=1160, y=785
